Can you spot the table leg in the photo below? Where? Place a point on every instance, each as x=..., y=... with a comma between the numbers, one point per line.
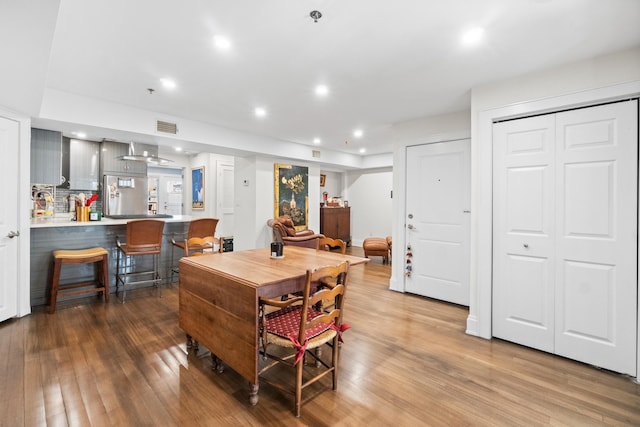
x=253, y=394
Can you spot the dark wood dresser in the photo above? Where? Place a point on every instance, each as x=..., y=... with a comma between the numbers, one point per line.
x=336, y=223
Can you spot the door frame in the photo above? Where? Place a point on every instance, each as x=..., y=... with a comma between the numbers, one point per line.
x=24, y=208
x=480, y=308
x=398, y=207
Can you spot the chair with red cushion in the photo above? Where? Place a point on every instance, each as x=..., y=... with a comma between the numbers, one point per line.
x=297, y=326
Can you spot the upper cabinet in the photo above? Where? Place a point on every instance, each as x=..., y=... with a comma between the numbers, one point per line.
x=46, y=157
x=110, y=164
x=84, y=161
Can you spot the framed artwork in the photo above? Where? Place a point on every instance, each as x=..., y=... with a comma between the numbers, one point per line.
x=291, y=190
x=197, y=188
x=323, y=179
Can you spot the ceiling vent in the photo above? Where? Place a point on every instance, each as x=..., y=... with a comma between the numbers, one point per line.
x=316, y=154
x=166, y=127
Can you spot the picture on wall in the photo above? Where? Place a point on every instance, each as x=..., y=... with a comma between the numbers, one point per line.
x=197, y=188
x=291, y=191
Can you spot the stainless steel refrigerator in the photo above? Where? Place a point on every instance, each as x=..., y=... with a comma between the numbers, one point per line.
x=124, y=195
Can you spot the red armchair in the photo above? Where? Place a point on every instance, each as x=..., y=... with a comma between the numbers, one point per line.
x=285, y=229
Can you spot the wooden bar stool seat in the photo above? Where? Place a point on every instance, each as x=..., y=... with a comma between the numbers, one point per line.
x=96, y=255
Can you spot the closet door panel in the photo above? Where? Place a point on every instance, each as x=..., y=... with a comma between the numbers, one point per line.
x=596, y=284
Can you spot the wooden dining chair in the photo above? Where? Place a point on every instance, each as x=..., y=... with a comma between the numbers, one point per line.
x=200, y=227
x=143, y=239
x=326, y=243
x=298, y=327
x=201, y=245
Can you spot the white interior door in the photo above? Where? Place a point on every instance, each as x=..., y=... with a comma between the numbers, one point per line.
x=523, y=251
x=437, y=218
x=596, y=217
x=9, y=141
x=170, y=194
x=565, y=234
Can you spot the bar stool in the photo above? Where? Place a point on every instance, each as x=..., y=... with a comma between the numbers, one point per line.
x=202, y=228
x=96, y=255
x=144, y=237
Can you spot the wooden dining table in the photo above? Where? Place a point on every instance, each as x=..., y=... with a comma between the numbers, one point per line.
x=219, y=296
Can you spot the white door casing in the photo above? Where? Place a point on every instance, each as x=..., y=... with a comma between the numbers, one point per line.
x=565, y=272
x=9, y=283
x=437, y=220
x=225, y=198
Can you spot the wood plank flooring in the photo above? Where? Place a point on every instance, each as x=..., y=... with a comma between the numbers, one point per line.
x=406, y=361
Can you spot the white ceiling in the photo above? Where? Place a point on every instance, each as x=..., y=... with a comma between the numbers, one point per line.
x=385, y=62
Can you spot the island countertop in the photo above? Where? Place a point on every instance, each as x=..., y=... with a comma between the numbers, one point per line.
x=65, y=220
x=49, y=234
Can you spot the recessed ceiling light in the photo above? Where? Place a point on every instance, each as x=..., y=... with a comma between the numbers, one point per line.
x=178, y=148
x=222, y=42
x=358, y=133
x=363, y=150
x=316, y=140
x=79, y=134
x=260, y=112
x=472, y=36
x=322, y=90
x=168, y=83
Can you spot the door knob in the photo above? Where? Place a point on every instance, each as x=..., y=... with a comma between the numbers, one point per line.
x=410, y=227
x=13, y=234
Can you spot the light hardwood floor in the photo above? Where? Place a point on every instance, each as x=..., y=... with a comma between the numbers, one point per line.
x=406, y=361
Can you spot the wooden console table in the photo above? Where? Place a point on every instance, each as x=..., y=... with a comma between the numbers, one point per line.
x=219, y=299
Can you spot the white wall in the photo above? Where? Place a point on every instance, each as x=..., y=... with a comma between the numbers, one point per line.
x=209, y=161
x=446, y=127
x=255, y=202
x=333, y=184
x=369, y=196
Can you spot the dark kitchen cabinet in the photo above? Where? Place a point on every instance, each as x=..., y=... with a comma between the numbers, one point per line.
x=336, y=223
x=46, y=156
x=111, y=164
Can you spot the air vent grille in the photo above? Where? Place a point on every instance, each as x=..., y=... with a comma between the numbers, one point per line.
x=166, y=127
x=316, y=154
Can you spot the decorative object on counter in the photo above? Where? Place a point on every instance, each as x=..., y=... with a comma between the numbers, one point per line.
x=345, y=204
x=82, y=213
x=95, y=216
x=97, y=255
x=291, y=191
x=197, y=188
x=43, y=200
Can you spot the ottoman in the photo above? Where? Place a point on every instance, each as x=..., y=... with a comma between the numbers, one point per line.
x=376, y=246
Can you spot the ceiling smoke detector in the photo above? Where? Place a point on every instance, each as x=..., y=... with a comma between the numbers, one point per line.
x=315, y=15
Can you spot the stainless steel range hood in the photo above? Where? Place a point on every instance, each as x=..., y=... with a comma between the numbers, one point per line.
x=144, y=153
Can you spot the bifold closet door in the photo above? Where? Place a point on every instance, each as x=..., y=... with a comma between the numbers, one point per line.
x=565, y=234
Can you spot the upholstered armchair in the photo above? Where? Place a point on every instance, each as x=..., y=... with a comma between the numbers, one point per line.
x=284, y=228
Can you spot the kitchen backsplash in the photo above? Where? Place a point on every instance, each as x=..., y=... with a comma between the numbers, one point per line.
x=62, y=201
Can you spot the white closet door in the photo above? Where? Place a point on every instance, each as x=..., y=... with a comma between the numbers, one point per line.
x=596, y=238
x=565, y=234
x=523, y=306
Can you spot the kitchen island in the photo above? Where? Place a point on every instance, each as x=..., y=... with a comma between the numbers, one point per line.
x=60, y=232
